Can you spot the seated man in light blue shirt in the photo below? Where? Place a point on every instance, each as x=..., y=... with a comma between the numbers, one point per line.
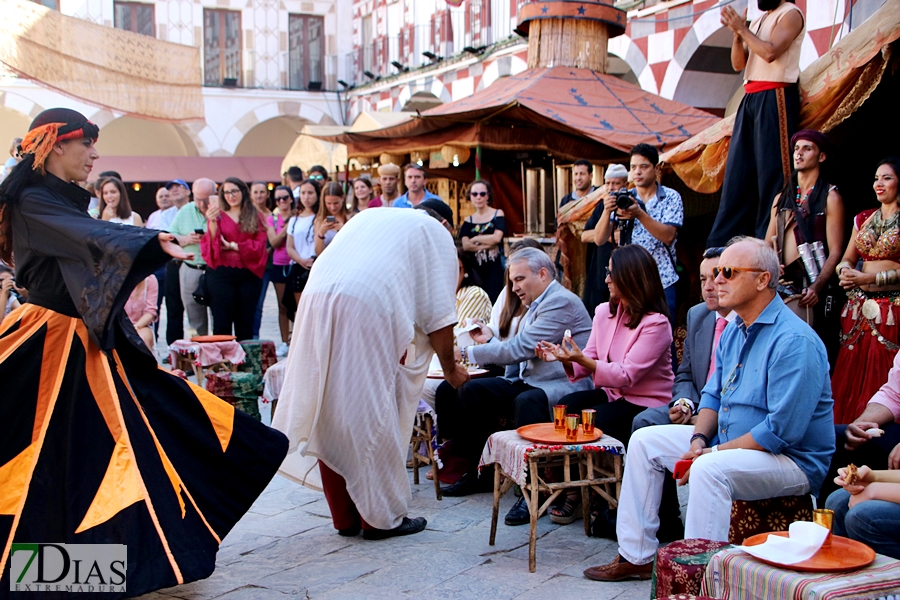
x=764, y=428
x=415, y=188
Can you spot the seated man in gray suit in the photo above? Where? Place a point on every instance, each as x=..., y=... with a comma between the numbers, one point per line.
x=705, y=323
x=530, y=386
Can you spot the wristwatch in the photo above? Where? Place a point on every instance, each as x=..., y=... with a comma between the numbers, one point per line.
x=714, y=448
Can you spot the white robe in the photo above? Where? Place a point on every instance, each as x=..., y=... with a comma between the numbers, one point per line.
x=385, y=282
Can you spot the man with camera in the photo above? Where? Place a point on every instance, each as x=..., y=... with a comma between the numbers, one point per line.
x=649, y=215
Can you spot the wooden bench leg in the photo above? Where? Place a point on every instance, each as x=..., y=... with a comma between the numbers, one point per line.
x=533, y=507
x=585, y=497
x=495, y=514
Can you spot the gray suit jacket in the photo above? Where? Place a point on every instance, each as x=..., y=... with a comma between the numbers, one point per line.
x=557, y=311
x=694, y=367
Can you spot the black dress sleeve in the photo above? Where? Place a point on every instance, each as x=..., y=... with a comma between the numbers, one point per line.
x=500, y=225
x=100, y=262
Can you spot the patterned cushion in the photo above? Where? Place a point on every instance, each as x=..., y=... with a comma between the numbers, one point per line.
x=260, y=356
x=679, y=567
x=241, y=390
x=750, y=517
x=685, y=597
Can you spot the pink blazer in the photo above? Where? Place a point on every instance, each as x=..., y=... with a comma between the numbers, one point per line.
x=635, y=364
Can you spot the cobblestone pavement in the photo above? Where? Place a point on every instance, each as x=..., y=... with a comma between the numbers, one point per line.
x=285, y=546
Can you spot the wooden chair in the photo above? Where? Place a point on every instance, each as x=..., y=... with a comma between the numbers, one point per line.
x=423, y=434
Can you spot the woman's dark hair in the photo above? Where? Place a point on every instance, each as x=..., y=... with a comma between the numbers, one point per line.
x=513, y=306
x=636, y=276
x=123, y=210
x=470, y=276
x=316, y=186
x=368, y=183
x=20, y=177
x=249, y=217
x=285, y=189
x=332, y=188
x=487, y=185
x=893, y=162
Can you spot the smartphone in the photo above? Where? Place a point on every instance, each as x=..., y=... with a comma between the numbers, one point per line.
x=214, y=201
x=681, y=468
x=330, y=219
x=199, y=231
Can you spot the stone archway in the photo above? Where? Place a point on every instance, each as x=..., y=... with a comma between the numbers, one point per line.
x=129, y=136
x=625, y=49
x=273, y=137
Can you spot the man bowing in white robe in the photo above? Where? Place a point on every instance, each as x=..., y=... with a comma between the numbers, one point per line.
x=379, y=302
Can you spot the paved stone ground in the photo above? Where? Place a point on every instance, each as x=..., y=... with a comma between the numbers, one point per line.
x=286, y=547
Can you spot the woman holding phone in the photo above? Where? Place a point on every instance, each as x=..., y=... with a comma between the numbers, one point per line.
x=234, y=248
x=333, y=215
x=300, y=242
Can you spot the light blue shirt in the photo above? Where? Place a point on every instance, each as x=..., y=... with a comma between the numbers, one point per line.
x=771, y=380
x=403, y=201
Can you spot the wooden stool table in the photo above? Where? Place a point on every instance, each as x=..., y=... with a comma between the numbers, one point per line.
x=514, y=458
x=204, y=357
x=423, y=433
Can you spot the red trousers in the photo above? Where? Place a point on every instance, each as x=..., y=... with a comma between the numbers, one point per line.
x=343, y=511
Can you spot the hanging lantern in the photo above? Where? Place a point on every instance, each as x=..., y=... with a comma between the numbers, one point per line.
x=455, y=155
x=386, y=159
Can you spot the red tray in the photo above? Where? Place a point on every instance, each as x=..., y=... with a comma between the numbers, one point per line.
x=844, y=554
x=205, y=339
x=545, y=433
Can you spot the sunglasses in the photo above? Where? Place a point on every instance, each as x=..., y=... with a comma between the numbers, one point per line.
x=280, y=198
x=609, y=272
x=478, y=194
x=316, y=177
x=728, y=272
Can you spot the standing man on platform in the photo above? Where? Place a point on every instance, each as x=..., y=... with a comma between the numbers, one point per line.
x=415, y=188
x=759, y=157
x=179, y=195
x=387, y=177
x=187, y=227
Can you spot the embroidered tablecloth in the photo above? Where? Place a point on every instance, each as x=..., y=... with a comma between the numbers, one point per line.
x=207, y=353
x=511, y=451
x=734, y=574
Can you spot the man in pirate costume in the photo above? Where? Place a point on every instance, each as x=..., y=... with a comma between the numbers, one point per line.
x=807, y=219
x=759, y=155
x=98, y=445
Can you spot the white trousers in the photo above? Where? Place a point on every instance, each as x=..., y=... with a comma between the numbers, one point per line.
x=716, y=479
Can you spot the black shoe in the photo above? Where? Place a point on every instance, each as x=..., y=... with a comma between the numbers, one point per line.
x=468, y=484
x=350, y=531
x=518, y=514
x=407, y=527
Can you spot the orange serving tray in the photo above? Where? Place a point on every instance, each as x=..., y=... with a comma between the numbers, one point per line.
x=545, y=433
x=844, y=554
x=205, y=339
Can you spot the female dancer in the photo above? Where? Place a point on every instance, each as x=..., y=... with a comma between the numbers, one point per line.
x=97, y=444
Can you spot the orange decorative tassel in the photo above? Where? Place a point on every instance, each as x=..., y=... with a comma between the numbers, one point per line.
x=40, y=141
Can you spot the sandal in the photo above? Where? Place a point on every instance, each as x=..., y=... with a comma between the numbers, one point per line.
x=570, y=510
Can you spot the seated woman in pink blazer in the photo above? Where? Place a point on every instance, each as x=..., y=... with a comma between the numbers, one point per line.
x=628, y=353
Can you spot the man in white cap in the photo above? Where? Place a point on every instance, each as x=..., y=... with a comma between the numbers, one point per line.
x=599, y=250
x=387, y=177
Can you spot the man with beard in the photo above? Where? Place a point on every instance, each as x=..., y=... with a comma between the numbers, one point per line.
x=807, y=211
x=387, y=177
x=759, y=157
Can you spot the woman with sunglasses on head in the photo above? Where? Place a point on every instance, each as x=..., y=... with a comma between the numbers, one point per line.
x=869, y=330
x=627, y=354
x=277, y=271
x=362, y=194
x=234, y=248
x=482, y=234
x=114, y=205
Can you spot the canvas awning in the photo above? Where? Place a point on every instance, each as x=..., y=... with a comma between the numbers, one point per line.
x=310, y=148
x=111, y=68
x=832, y=88
x=572, y=113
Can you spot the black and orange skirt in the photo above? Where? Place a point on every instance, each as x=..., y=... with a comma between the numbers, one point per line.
x=104, y=447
